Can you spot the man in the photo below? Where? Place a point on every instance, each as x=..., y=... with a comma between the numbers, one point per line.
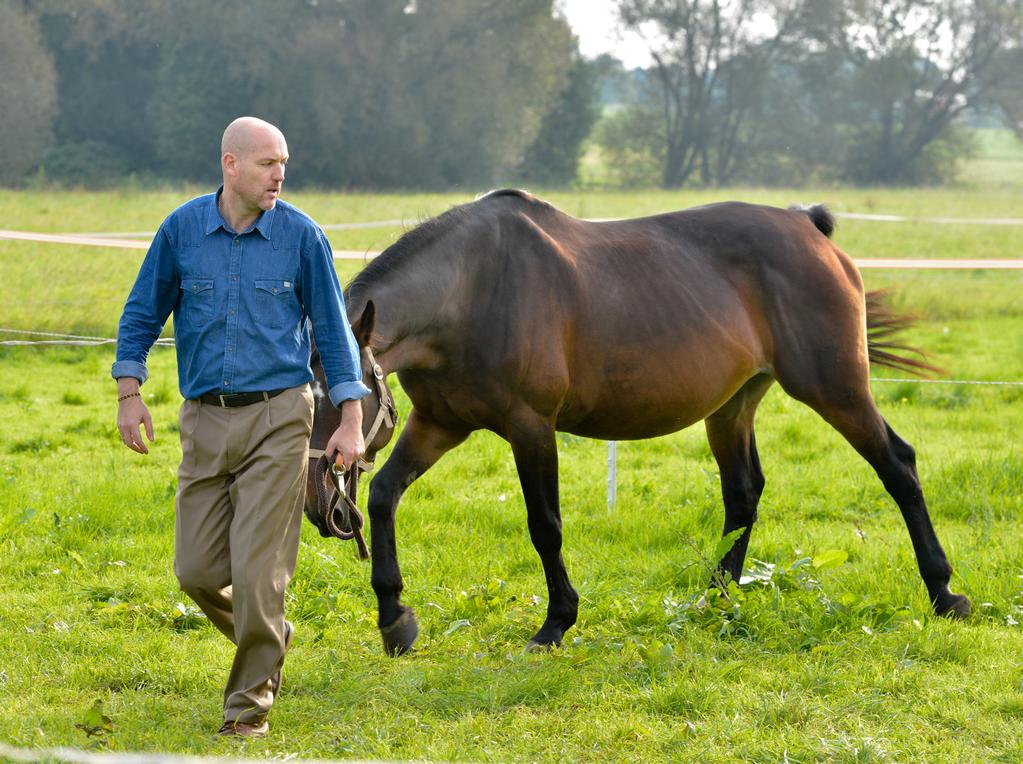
x=242, y=271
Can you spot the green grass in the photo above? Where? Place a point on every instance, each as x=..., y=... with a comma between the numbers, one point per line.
x=49, y=279
x=838, y=664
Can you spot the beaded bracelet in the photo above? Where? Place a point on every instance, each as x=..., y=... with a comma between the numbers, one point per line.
x=129, y=395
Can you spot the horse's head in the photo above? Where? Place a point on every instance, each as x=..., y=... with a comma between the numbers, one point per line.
x=379, y=413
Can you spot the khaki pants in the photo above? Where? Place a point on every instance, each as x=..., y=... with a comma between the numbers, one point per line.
x=238, y=515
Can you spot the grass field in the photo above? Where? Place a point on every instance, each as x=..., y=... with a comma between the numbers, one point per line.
x=830, y=660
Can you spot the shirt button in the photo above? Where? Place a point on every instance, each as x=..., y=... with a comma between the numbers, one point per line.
x=230, y=312
x=227, y=382
x=234, y=278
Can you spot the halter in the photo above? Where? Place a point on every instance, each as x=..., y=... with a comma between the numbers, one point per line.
x=337, y=487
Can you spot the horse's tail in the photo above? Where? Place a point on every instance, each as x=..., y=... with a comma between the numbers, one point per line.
x=882, y=325
x=820, y=216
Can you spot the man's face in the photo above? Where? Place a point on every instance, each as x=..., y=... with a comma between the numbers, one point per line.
x=258, y=170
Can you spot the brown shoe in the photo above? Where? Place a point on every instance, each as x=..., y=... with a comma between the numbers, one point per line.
x=275, y=680
x=244, y=729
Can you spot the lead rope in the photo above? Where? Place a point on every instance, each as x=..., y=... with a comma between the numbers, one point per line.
x=337, y=508
x=335, y=492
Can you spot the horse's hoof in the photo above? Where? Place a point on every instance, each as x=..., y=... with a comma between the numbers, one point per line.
x=544, y=640
x=951, y=605
x=401, y=635
x=532, y=646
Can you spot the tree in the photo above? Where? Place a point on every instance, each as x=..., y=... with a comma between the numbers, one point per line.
x=482, y=75
x=908, y=69
x=430, y=93
x=711, y=58
x=1006, y=99
x=219, y=61
x=27, y=91
x=553, y=157
x=106, y=53
x=632, y=142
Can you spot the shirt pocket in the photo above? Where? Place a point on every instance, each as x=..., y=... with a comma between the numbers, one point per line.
x=276, y=303
x=197, y=300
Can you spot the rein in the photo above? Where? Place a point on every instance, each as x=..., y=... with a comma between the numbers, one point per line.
x=337, y=487
x=337, y=507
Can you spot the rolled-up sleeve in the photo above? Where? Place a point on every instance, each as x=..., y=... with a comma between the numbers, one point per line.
x=150, y=302
x=324, y=304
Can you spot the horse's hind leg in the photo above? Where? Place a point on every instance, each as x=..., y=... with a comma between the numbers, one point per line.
x=846, y=404
x=535, y=449
x=730, y=434
x=419, y=446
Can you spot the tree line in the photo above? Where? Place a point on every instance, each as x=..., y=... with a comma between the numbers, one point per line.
x=370, y=93
x=378, y=94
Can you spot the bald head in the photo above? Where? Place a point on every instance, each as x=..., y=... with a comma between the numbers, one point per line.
x=247, y=133
x=253, y=157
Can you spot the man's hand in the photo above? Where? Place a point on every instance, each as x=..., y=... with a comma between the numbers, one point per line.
x=132, y=414
x=346, y=446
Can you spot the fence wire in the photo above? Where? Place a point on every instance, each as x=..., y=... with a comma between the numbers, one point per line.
x=58, y=338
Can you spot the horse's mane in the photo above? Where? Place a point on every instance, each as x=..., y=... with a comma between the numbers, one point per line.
x=426, y=233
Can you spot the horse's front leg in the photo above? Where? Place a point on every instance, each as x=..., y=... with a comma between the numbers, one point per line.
x=536, y=459
x=420, y=445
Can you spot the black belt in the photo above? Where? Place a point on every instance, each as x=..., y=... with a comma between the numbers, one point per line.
x=233, y=400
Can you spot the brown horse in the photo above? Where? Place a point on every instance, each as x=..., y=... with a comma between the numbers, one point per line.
x=508, y=315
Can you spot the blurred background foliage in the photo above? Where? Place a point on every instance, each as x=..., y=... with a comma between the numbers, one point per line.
x=440, y=94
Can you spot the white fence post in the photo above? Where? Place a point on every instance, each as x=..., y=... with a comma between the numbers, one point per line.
x=612, y=475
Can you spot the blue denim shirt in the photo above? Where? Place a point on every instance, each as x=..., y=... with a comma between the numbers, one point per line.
x=240, y=304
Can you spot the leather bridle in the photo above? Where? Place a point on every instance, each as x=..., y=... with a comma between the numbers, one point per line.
x=337, y=487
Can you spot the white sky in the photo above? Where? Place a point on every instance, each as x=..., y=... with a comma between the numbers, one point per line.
x=594, y=23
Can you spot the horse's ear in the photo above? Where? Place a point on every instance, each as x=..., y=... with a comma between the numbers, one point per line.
x=362, y=327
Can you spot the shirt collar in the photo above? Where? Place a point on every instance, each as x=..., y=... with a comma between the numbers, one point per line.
x=265, y=221
x=214, y=220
